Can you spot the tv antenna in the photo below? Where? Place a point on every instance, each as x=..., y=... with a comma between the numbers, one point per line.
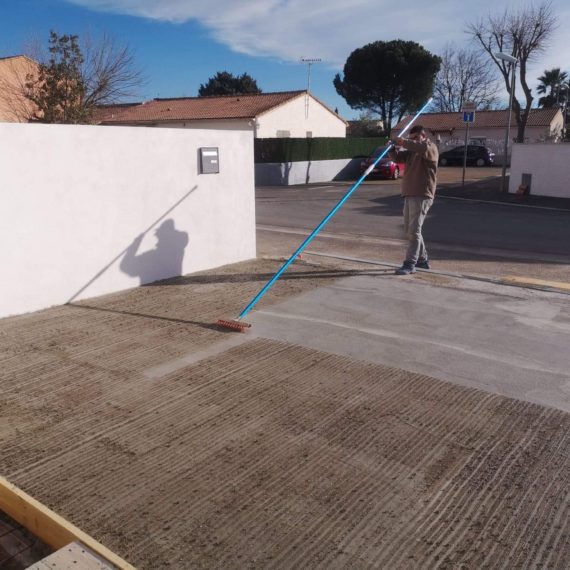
x=309, y=61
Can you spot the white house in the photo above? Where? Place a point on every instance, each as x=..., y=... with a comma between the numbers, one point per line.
x=489, y=127
x=268, y=115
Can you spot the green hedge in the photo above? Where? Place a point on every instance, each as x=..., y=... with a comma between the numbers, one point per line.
x=318, y=148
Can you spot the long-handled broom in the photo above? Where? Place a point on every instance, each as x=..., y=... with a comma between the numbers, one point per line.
x=237, y=324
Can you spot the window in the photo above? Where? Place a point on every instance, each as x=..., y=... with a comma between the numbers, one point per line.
x=309, y=134
x=283, y=134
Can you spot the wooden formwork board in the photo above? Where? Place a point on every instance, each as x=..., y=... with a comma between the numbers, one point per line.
x=48, y=526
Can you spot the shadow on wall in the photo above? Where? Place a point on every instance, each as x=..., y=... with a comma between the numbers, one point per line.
x=164, y=261
x=120, y=255
x=351, y=171
x=286, y=173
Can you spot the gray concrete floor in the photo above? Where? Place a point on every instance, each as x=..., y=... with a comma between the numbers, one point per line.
x=506, y=340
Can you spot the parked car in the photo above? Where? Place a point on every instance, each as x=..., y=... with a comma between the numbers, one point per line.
x=477, y=155
x=386, y=167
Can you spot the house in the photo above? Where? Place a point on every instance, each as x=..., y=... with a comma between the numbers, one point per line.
x=489, y=127
x=268, y=115
x=365, y=128
x=14, y=107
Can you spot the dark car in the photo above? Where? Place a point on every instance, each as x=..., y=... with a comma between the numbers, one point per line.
x=386, y=167
x=477, y=155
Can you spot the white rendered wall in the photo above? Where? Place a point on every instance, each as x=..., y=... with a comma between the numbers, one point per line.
x=91, y=210
x=289, y=173
x=291, y=117
x=549, y=165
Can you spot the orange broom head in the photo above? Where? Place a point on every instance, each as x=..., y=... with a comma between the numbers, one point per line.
x=233, y=325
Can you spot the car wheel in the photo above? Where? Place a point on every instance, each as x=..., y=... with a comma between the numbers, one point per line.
x=443, y=161
x=480, y=162
x=396, y=174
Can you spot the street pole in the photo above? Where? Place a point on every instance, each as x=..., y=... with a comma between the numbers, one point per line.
x=465, y=155
x=513, y=62
x=564, y=115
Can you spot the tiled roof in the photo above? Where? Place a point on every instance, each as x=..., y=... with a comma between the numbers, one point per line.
x=483, y=119
x=196, y=108
x=108, y=112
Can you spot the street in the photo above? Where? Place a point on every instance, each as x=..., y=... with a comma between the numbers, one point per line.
x=456, y=230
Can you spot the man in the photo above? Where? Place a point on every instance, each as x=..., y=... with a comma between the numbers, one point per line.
x=418, y=189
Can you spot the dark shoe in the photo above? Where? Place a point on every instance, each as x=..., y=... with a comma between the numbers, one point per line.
x=423, y=264
x=406, y=270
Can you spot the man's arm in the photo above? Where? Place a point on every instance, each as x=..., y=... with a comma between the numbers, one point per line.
x=395, y=154
x=426, y=149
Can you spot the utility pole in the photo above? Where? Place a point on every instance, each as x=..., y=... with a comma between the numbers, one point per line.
x=309, y=61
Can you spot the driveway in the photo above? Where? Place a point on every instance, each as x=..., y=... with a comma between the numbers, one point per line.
x=366, y=421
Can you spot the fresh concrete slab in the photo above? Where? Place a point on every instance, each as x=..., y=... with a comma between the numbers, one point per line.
x=505, y=340
x=179, y=445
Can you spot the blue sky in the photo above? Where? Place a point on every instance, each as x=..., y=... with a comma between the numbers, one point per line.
x=179, y=44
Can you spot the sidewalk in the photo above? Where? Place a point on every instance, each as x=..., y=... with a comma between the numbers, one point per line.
x=488, y=189
x=317, y=440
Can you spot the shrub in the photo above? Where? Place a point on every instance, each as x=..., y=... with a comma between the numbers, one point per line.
x=311, y=149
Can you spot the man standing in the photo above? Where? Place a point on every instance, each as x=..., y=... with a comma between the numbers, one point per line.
x=418, y=189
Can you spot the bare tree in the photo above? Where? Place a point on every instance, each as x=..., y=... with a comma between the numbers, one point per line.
x=109, y=72
x=464, y=76
x=77, y=77
x=523, y=33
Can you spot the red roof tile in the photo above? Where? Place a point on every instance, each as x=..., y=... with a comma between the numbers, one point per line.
x=196, y=108
x=483, y=119
x=105, y=112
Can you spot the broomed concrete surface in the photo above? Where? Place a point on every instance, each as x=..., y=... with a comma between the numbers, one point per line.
x=178, y=445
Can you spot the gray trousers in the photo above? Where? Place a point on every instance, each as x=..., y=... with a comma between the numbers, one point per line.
x=415, y=211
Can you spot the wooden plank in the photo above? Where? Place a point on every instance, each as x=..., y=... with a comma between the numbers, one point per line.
x=48, y=526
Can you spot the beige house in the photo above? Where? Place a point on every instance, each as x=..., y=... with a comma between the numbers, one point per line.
x=489, y=127
x=14, y=107
x=268, y=115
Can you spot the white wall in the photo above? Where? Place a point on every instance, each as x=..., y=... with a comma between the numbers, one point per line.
x=549, y=165
x=532, y=134
x=291, y=117
x=75, y=199
x=288, y=173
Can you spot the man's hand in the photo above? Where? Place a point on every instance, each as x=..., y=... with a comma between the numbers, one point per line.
x=398, y=141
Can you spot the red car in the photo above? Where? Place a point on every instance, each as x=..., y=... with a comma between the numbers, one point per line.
x=386, y=167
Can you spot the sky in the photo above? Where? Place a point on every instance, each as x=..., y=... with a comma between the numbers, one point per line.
x=180, y=44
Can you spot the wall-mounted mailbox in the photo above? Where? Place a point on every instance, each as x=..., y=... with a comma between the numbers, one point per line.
x=209, y=160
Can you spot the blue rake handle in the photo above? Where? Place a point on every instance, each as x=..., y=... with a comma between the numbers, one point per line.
x=325, y=220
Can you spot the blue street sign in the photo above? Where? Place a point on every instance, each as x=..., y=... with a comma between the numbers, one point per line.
x=468, y=116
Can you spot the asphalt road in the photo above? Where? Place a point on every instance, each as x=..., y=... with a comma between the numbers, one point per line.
x=375, y=210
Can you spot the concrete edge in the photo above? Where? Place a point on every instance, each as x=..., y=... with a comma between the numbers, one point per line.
x=510, y=281
x=531, y=281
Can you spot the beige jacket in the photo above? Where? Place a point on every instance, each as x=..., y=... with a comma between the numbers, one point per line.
x=420, y=176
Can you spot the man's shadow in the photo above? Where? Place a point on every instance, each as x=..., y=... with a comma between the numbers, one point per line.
x=164, y=261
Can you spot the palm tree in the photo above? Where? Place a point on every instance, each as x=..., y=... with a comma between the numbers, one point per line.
x=554, y=86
